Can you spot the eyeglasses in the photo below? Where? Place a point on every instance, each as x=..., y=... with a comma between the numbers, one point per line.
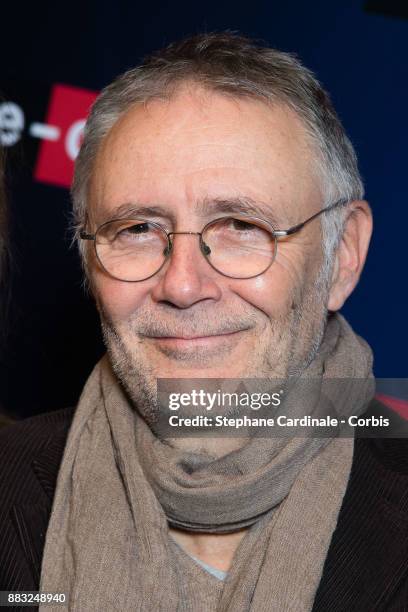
x=238, y=246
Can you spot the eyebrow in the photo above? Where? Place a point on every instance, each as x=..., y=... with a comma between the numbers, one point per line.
x=131, y=210
x=241, y=205
x=204, y=208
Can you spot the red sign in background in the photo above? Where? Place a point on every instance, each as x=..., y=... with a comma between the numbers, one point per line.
x=65, y=119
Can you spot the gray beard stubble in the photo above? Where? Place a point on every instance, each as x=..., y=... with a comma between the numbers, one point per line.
x=306, y=322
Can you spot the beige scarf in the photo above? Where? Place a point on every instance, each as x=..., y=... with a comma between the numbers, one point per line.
x=108, y=546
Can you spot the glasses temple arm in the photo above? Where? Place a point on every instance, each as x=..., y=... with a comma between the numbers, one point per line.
x=299, y=226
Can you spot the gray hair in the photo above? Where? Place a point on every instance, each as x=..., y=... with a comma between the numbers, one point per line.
x=237, y=66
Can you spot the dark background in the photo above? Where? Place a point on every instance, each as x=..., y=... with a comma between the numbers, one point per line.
x=358, y=50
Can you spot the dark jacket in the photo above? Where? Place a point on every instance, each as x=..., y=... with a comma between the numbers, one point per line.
x=366, y=568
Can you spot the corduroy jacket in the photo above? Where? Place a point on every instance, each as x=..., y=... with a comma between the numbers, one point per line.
x=366, y=568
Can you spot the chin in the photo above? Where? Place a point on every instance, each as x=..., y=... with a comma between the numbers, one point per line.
x=191, y=371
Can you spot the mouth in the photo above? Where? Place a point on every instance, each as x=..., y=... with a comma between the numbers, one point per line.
x=186, y=341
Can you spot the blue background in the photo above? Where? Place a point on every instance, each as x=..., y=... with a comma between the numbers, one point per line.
x=360, y=56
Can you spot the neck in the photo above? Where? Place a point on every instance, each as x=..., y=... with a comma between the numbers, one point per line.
x=215, y=549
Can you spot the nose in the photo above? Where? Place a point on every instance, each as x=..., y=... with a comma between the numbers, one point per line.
x=186, y=278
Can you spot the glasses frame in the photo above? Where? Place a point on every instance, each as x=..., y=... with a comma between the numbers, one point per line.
x=276, y=234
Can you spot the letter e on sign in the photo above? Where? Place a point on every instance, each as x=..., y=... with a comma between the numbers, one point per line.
x=67, y=110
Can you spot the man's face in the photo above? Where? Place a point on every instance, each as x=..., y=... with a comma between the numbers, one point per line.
x=186, y=155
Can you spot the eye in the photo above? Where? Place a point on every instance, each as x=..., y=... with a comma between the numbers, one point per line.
x=140, y=228
x=240, y=225
x=135, y=233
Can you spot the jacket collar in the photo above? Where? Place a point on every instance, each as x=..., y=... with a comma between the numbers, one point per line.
x=47, y=463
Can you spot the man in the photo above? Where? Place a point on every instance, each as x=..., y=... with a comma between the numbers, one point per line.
x=221, y=221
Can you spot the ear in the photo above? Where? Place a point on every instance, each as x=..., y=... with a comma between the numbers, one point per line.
x=351, y=253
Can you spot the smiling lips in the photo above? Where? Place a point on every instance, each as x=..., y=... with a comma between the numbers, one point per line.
x=196, y=340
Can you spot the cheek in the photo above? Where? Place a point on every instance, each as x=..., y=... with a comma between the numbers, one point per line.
x=280, y=289
x=118, y=299
x=272, y=293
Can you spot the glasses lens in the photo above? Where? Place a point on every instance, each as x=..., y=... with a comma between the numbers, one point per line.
x=239, y=248
x=131, y=250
